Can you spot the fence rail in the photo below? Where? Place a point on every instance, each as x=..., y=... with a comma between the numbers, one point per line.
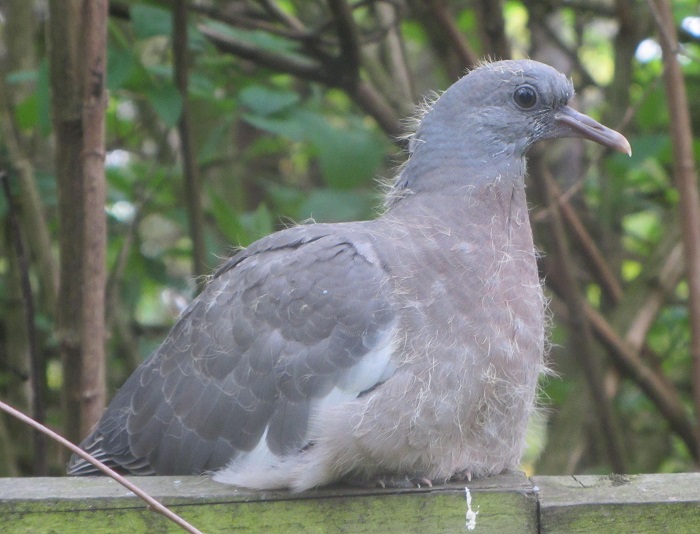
x=502, y=504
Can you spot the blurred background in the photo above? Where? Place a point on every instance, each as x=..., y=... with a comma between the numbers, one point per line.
x=226, y=120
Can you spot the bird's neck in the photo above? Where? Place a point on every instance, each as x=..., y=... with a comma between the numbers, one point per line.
x=455, y=176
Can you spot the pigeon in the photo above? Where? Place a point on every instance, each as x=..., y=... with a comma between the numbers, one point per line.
x=405, y=349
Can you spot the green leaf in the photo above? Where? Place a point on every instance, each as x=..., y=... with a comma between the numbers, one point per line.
x=288, y=127
x=348, y=156
x=34, y=110
x=330, y=205
x=121, y=65
x=150, y=21
x=261, y=100
x=27, y=112
x=43, y=98
x=653, y=112
x=258, y=38
x=166, y=101
x=257, y=223
x=240, y=229
x=226, y=219
x=21, y=76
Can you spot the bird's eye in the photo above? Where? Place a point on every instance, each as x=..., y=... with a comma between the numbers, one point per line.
x=525, y=97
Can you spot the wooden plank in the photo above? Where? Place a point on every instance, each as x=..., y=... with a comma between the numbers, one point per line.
x=619, y=504
x=505, y=503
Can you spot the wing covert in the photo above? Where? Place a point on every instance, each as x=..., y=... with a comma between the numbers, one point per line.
x=281, y=326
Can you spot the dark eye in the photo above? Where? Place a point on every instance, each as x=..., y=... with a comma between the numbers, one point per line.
x=525, y=97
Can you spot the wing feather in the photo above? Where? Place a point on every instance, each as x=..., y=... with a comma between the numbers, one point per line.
x=283, y=326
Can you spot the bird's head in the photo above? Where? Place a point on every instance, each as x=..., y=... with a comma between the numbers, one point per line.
x=485, y=122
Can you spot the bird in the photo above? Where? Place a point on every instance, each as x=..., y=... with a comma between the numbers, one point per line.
x=401, y=350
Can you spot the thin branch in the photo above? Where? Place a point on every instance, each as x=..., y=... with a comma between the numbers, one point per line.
x=587, y=246
x=493, y=28
x=33, y=213
x=349, y=60
x=586, y=78
x=656, y=388
x=580, y=330
x=369, y=99
x=192, y=189
x=395, y=54
x=364, y=93
x=303, y=68
x=576, y=186
x=685, y=178
x=669, y=276
x=293, y=29
x=599, y=9
x=467, y=58
x=280, y=14
x=152, y=503
x=38, y=372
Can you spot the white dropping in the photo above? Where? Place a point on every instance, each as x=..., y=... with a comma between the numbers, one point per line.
x=471, y=514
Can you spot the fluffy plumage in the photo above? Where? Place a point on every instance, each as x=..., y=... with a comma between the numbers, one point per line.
x=408, y=346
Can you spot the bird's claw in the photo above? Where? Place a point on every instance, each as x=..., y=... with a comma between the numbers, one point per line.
x=395, y=482
x=465, y=475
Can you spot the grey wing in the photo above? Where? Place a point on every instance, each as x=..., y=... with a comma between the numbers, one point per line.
x=299, y=319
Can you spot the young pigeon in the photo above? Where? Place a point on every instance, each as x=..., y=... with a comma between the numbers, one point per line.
x=404, y=349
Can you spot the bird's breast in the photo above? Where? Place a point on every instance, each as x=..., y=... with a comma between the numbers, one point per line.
x=467, y=285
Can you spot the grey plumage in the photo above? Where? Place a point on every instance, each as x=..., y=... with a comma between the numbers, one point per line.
x=406, y=346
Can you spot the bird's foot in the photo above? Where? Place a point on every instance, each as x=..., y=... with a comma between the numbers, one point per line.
x=465, y=475
x=393, y=481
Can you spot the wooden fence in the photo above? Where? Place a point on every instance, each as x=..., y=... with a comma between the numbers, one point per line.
x=502, y=504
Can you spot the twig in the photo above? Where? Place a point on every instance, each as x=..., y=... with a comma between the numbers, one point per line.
x=599, y=9
x=289, y=20
x=655, y=386
x=395, y=54
x=580, y=330
x=578, y=183
x=349, y=60
x=604, y=275
x=190, y=174
x=685, y=178
x=663, y=397
x=152, y=503
x=667, y=279
x=38, y=373
x=493, y=28
x=586, y=78
x=439, y=10
x=302, y=67
x=369, y=99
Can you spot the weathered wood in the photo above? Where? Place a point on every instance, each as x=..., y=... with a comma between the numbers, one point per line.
x=507, y=503
x=619, y=504
x=504, y=503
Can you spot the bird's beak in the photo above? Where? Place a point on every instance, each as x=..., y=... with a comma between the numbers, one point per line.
x=579, y=125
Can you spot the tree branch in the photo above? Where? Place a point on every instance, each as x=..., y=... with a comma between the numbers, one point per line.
x=94, y=48
x=663, y=397
x=667, y=279
x=152, y=503
x=493, y=28
x=586, y=245
x=36, y=360
x=190, y=174
x=579, y=328
x=467, y=58
x=349, y=60
x=307, y=69
x=685, y=177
